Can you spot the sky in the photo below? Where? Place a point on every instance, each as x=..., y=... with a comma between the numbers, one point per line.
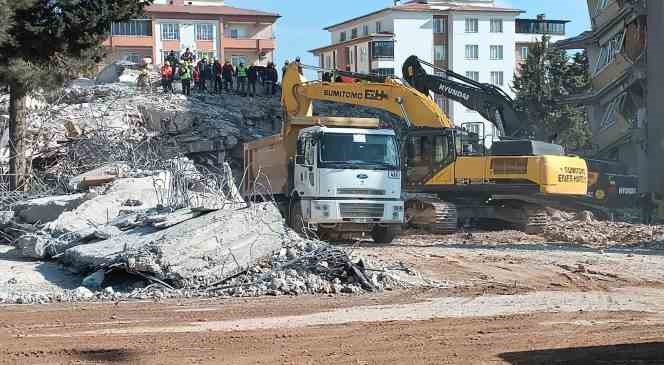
x=301, y=26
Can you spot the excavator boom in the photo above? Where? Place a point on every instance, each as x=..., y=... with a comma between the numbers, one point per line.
x=492, y=103
x=391, y=95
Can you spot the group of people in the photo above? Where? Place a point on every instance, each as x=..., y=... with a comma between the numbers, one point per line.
x=213, y=77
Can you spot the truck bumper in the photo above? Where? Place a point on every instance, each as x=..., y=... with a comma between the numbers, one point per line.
x=354, y=211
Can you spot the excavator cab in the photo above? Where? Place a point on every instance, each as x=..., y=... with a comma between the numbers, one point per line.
x=427, y=152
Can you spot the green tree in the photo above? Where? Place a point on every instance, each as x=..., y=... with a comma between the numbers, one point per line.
x=38, y=38
x=547, y=77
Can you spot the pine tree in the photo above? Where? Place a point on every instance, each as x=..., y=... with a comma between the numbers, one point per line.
x=37, y=40
x=547, y=76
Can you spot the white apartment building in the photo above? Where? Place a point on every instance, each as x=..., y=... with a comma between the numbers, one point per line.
x=475, y=38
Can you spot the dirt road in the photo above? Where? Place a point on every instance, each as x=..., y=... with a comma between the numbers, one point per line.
x=398, y=328
x=511, y=301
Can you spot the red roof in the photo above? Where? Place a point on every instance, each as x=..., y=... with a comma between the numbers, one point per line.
x=209, y=10
x=418, y=6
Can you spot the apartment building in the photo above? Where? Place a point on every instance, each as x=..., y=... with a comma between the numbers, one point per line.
x=209, y=28
x=475, y=38
x=620, y=65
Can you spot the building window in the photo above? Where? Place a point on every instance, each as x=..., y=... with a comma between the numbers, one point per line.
x=384, y=71
x=609, y=51
x=135, y=28
x=497, y=78
x=496, y=25
x=170, y=31
x=342, y=36
x=353, y=33
x=472, y=52
x=524, y=53
x=610, y=115
x=132, y=57
x=472, y=25
x=599, y=5
x=496, y=52
x=364, y=54
x=379, y=27
x=473, y=75
x=440, y=52
x=328, y=62
x=237, y=59
x=350, y=56
x=365, y=30
x=204, y=32
x=382, y=49
x=440, y=25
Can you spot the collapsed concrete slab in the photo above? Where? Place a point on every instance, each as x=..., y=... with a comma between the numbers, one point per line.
x=48, y=209
x=196, y=253
x=104, y=208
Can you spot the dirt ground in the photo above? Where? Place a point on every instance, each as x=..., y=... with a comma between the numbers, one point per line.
x=513, y=300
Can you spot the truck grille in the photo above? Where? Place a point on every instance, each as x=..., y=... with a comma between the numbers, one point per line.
x=360, y=192
x=355, y=210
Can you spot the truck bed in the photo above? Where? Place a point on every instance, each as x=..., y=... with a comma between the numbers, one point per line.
x=266, y=164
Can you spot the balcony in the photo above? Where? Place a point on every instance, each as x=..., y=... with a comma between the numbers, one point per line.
x=129, y=41
x=249, y=43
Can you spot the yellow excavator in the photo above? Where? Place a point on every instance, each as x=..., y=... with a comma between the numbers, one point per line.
x=449, y=175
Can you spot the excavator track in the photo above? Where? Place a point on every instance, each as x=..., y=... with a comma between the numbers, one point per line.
x=446, y=218
x=432, y=214
x=536, y=219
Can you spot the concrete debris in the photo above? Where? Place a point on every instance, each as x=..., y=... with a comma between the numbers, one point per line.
x=47, y=209
x=585, y=229
x=102, y=209
x=95, y=280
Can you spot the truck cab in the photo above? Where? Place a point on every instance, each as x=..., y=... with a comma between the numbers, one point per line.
x=347, y=181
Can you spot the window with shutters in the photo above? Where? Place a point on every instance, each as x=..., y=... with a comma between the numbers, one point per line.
x=472, y=25
x=473, y=75
x=496, y=26
x=496, y=52
x=497, y=78
x=472, y=52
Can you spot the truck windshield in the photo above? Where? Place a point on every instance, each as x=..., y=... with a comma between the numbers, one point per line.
x=358, y=151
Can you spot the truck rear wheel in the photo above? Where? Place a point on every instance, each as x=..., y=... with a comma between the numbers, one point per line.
x=384, y=235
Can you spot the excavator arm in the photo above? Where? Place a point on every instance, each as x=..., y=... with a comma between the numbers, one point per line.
x=489, y=101
x=388, y=94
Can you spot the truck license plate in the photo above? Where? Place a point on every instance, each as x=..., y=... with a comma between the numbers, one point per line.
x=361, y=220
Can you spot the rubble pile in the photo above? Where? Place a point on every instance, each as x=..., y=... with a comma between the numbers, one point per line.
x=140, y=185
x=583, y=228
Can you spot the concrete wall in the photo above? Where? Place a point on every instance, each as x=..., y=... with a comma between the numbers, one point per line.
x=413, y=36
x=654, y=180
x=484, y=65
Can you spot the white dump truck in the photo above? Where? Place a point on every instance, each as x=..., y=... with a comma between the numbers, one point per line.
x=337, y=177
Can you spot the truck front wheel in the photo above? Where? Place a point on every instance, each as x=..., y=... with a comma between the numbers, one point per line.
x=381, y=234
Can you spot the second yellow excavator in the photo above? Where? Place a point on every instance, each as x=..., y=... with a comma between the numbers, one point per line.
x=449, y=176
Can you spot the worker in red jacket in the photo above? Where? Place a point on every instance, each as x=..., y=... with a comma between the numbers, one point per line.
x=167, y=77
